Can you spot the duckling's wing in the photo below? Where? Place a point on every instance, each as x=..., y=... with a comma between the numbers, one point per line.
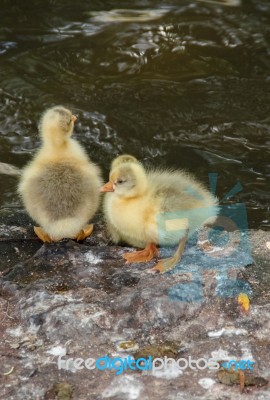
x=171, y=228
x=183, y=204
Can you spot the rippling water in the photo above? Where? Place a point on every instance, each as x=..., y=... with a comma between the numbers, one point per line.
x=178, y=83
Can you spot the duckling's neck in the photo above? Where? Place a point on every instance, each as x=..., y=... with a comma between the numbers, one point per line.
x=142, y=189
x=53, y=141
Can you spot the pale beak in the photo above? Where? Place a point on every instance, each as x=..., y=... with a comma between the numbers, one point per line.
x=108, y=187
x=74, y=118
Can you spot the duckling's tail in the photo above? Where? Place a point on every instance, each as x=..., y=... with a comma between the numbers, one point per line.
x=65, y=228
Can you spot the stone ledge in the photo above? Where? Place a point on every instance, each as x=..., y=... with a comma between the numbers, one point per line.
x=81, y=300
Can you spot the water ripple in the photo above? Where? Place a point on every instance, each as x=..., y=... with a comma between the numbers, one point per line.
x=185, y=85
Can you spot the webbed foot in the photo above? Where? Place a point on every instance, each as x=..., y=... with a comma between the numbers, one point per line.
x=42, y=235
x=144, y=255
x=164, y=265
x=168, y=264
x=85, y=232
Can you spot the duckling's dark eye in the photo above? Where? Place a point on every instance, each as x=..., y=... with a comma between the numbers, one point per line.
x=120, y=181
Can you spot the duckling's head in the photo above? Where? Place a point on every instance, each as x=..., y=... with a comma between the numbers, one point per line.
x=124, y=158
x=57, y=124
x=127, y=179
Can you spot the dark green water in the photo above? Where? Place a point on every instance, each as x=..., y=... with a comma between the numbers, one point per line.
x=178, y=83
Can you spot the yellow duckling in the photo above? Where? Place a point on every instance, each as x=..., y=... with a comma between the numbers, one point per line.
x=60, y=187
x=155, y=207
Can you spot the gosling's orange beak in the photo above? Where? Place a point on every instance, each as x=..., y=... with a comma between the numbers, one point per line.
x=108, y=187
x=74, y=118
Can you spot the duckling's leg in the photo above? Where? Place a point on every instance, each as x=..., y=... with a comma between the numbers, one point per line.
x=142, y=255
x=42, y=235
x=85, y=232
x=169, y=263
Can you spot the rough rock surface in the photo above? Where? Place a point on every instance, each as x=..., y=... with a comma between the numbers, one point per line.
x=79, y=300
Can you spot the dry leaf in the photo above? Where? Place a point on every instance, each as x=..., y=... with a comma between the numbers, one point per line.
x=233, y=377
x=243, y=301
x=241, y=381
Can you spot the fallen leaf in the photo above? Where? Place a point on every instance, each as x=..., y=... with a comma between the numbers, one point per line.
x=169, y=349
x=230, y=378
x=241, y=381
x=243, y=301
x=59, y=391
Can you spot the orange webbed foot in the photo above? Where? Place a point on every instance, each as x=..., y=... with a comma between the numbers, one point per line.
x=165, y=265
x=42, y=235
x=145, y=255
x=85, y=232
